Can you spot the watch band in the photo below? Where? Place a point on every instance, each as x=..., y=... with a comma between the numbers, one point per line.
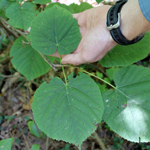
x=113, y=24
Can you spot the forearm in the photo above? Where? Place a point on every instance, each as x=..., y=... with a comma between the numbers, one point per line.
x=133, y=22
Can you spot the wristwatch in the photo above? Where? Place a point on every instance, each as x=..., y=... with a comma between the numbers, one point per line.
x=113, y=24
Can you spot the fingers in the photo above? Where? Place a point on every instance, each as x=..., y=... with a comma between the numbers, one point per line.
x=75, y=15
x=74, y=59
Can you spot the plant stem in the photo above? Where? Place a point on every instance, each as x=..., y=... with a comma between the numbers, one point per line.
x=97, y=78
x=47, y=60
x=47, y=143
x=63, y=70
x=100, y=142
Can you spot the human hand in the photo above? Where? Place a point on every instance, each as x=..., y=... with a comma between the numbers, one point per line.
x=96, y=40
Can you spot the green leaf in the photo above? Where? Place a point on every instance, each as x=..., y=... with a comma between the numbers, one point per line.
x=4, y=4
x=100, y=75
x=2, y=14
x=110, y=72
x=102, y=87
x=54, y=29
x=68, y=112
x=61, y=5
x=80, y=8
x=21, y=16
x=126, y=55
x=35, y=147
x=42, y=1
x=27, y=61
x=6, y=144
x=33, y=129
x=127, y=108
x=1, y=118
x=98, y=1
x=67, y=147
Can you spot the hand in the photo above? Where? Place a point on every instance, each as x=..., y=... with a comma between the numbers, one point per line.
x=96, y=40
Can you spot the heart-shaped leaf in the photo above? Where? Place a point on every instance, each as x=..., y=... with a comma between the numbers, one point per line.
x=80, y=8
x=27, y=60
x=127, y=108
x=61, y=5
x=127, y=55
x=42, y=1
x=54, y=29
x=68, y=112
x=6, y=144
x=98, y=1
x=21, y=16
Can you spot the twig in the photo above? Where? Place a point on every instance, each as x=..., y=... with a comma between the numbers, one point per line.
x=59, y=65
x=21, y=33
x=2, y=24
x=93, y=144
x=47, y=144
x=8, y=35
x=99, y=69
x=25, y=140
x=100, y=142
x=8, y=76
x=47, y=60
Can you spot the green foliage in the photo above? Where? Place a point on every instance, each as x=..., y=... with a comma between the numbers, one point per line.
x=33, y=129
x=127, y=108
x=70, y=111
x=110, y=72
x=2, y=14
x=52, y=29
x=98, y=1
x=61, y=5
x=35, y=147
x=127, y=55
x=1, y=118
x=42, y=1
x=4, y=4
x=30, y=64
x=21, y=16
x=6, y=144
x=80, y=8
x=67, y=147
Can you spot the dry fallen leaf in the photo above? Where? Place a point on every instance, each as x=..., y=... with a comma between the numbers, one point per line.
x=9, y=82
x=26, y=106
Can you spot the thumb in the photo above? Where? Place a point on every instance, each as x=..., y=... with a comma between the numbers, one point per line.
x=74, y=59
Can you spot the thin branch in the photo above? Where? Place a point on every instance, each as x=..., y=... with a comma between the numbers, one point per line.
x=21, y=33
x=48, y=61
x=100, y=142
x=2, y=24
x=8, y=35
x=59, y=65
x=47, y=143
x=11, y=76
x=99, y=69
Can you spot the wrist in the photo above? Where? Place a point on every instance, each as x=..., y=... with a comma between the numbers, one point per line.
x=133, y=23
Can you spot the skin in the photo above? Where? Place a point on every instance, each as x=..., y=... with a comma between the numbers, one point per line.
x=96, y=39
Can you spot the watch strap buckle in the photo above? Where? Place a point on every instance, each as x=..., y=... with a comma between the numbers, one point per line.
x=115, y=25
